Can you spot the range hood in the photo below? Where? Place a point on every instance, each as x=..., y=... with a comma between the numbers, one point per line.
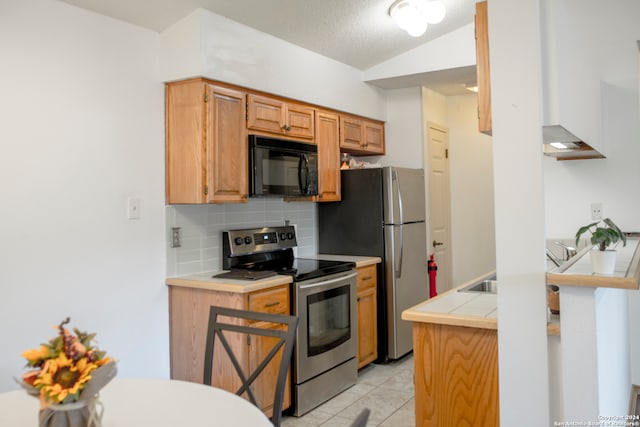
x=558, y=142
x=573, y=92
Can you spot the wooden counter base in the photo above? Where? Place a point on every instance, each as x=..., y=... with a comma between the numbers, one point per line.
x=456, y=376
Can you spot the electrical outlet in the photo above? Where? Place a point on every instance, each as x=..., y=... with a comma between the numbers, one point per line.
x=596, y=211
x=175, y=237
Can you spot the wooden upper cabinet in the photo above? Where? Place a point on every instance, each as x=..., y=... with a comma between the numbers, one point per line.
x=373, y=137
x=361, y=136
x=483, y=69
x=351, y=133
x=226, y=146
x=327, y=139
x=206, y=146
x=272, y=115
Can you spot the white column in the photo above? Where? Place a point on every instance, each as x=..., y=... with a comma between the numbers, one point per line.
x=519, y=207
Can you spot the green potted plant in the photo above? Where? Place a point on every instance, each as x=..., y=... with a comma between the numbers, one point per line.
x=603, y=260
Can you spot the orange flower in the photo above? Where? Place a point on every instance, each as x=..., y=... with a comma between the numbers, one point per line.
x=36, y=357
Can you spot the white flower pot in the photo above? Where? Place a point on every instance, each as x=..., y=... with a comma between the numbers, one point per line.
x=603, y=262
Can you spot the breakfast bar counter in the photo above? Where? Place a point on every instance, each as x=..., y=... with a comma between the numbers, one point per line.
x=472, y=309
x=455, y=348
x=577, y=271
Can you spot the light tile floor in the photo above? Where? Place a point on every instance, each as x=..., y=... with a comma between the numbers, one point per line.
x=387, y=390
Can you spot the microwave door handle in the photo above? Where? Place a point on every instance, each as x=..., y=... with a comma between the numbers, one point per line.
x=304, y=184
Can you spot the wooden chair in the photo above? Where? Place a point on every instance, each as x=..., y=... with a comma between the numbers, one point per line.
x=361, y=419
x=243, y=325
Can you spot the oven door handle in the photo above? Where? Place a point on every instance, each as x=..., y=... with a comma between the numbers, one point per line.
x=327, y=283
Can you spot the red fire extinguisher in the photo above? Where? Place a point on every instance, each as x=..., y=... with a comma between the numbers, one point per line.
x=432, y=268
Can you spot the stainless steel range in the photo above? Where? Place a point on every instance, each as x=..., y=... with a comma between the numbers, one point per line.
x=323, y=297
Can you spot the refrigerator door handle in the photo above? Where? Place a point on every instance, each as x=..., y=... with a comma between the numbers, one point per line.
x=399, y=265
x=399, y=194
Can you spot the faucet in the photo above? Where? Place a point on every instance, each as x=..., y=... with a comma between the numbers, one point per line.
x=569, y=251
x=554, y=259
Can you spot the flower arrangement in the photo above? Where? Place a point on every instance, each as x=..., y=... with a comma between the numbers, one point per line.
x=66, y=374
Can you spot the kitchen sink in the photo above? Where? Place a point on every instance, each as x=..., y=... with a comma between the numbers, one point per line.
x=486, y=286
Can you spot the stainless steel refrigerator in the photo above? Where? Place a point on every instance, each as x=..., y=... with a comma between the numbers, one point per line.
x=382, y=213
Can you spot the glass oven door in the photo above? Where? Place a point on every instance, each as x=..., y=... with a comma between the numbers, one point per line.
x=326, y=337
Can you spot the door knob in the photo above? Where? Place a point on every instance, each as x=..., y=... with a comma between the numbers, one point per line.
x=436, y=243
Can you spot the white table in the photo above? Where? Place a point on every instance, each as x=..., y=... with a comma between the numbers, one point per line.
x=149, y=402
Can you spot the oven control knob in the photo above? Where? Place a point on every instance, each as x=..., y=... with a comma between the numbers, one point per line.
x=247, y=240
x=283, y=236
x=290, y=235
x=238, y=241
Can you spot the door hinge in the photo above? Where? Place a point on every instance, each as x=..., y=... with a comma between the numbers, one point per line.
x=206, y=97
x=446, y=153
x=248, y=339
x=206, y=190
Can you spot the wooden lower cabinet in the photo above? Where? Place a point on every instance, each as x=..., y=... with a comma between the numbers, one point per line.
x=456, y=376
x=188, y=317
x=367, y=315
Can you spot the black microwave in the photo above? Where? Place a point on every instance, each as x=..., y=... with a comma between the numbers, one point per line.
x=280, y=167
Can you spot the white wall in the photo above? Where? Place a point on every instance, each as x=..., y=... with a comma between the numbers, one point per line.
x=233, y=53
x=472, y=201
x=82, y=129
x=570, y=187
x=403, y=130
x=433, y=56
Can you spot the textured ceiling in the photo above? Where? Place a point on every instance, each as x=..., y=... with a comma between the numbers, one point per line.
x=359, y=33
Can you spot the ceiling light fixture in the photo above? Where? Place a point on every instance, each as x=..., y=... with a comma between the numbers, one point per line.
x=414, y=15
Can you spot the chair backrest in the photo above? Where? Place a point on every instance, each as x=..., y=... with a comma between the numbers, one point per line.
x=285, y=340
x=361, y=419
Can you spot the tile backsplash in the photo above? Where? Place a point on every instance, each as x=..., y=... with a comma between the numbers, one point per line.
x=201, y=228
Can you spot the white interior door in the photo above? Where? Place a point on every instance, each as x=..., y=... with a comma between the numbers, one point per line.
x=439, y=204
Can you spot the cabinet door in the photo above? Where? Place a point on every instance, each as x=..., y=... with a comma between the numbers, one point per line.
x=265, y=114
x=351, y=133
x=265, y=385
x=367, y=315
x=374, y=137
x=367, y=336
x=185, y=163
x=327, y=128
x=299, y=121
x=482, y=69
x=226, y=146
x=276, y=301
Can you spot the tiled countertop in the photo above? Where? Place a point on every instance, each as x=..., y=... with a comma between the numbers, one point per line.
x=476, y=310
x=577, y=271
